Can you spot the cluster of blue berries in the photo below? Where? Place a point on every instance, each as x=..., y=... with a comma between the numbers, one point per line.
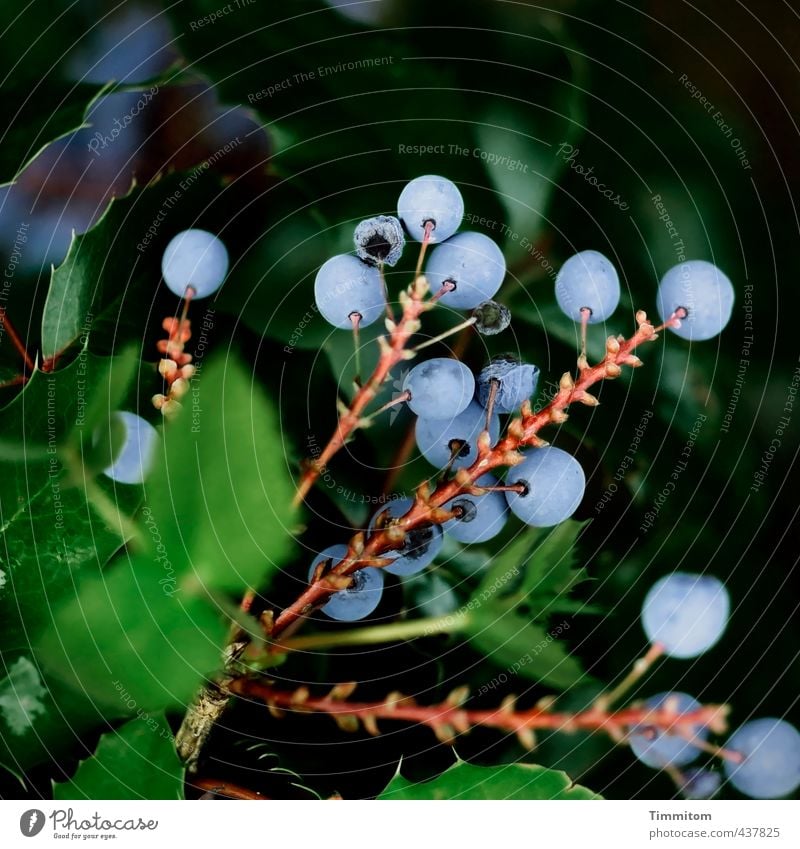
x=453, y=407
x=684, y=615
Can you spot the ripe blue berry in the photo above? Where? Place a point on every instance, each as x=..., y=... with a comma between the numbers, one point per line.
x=554, y=483
x=379, y=240
x=659, y=747
x=431, y=198
x=685, y=613
x=437, y=438
x=481, y=516
x=771, y=765
x=360, y=598
x=703, y=291
x=516, y=382
x=473, y=263
x=135, y=458
x=194, y=258
x=700, y=783
x=421, y=544
x=440, y=388
x=588, y=279
x=346, y=286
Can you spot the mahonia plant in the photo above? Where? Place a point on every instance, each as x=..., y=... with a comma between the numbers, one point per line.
x=483, y=438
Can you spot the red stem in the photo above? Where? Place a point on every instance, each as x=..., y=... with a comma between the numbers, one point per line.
x=5, y=322
x=449, y=717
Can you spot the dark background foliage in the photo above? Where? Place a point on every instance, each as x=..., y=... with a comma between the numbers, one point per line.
x=613, y=81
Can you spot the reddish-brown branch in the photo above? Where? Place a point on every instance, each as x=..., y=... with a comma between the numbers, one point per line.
x=228, y=790
x=16, y=341
x=428, y=506
x=392, y=352
x=450, y=718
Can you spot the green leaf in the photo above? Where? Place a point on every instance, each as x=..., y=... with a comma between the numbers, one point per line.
x=39, y=118
x=525, y=585
x=220, y=502
x=133, y=640
x=137, y=761
x=51, y=535
x=466, y=781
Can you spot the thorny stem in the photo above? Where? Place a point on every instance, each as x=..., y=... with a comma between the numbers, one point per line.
x=392, y=352
x=428, y=506
x=449, y=718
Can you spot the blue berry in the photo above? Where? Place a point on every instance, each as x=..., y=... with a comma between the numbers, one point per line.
x=431, y=198
x=700, y=783
x=659, y=747
x=360, y=598
x=481, y=517
x=421, y=545
x=554, y=482
x=473, y=263
x=379, y=240
x=516, y=381
x=437, y=438
x=345, y=286
x=703, y=291
x=588, y=279
x=685, y=613
x=135, y=458
x=440, y=388
x=194, y=258
x=771, y=765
